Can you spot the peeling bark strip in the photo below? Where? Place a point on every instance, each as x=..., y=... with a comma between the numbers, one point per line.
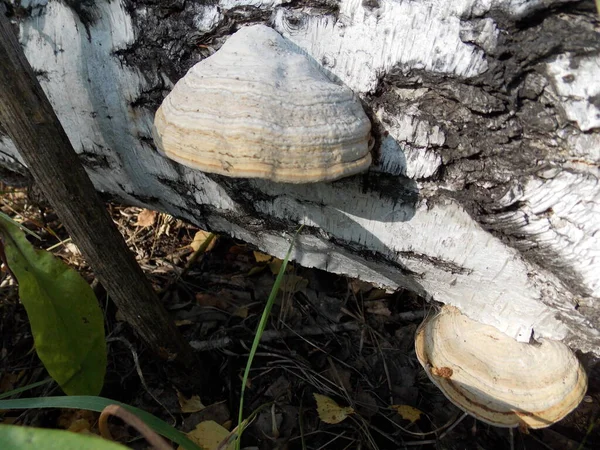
x=485, y=194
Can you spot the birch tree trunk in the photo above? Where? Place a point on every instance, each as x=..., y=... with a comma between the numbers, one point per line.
x=484, y=193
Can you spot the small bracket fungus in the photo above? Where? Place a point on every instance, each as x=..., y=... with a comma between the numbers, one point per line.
x=495, y=378
x=261, y=108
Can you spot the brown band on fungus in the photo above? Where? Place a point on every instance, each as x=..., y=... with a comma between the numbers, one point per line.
x=442, y=372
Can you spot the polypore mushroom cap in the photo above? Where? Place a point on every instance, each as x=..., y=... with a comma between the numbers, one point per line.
x=495, y=378
x=259, y=107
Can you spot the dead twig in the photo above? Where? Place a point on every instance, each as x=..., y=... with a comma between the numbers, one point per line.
x=434, y=441
x=138, y=369
x=271, y=335
x=157, y=442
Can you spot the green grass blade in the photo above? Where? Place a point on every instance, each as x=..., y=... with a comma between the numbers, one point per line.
x=259, y=331
x=25, y=388
x=97, y=404
x=22, y=227
x=595, y=422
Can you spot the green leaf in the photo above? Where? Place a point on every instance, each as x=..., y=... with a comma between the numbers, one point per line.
x=66, y=321
x=14, y=437
x=93, y=403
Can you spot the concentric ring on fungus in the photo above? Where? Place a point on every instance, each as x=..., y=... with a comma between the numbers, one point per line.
x=495, y=378
x=259, y=107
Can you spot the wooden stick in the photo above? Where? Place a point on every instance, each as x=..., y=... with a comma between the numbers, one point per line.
x=271, y=335
x=157, y=442
x=30, y=121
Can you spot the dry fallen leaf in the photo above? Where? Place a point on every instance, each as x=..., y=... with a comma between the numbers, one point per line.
x=256, y=269
x=360, y=286
x=189, y=405
x=329, y=411
x=339, y=375
x=180, y=323
x=8, y=381
x=72, y=248
x=241, y=311
x=377, y=294
x=291, y=283
x=200, y=238
x=208, y=435
x=221, y=300
x=165, y=222
x=378, y=307
x=408, y=412
x=78, y=421
x=146, y=218
x=275, y=266
x=262, y=257
x=80, y=426
x=238, y=250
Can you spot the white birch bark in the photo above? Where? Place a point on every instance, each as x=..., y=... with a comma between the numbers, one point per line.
x=485, y=194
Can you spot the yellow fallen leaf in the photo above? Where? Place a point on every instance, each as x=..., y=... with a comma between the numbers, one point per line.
x=146, y=218
x=329, y=411
x=208, y=435
x=262, y=257
x=377, y=294
x=241, y=311
x=200, y=238
x=180, y=323
x=78, y=421
x=189, y=405
x=80, y=426
x=360, y=286
x=408, y=412
x=275, y=266
x=256, y=269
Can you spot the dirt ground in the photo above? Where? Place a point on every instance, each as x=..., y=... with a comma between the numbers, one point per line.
x=328, y=335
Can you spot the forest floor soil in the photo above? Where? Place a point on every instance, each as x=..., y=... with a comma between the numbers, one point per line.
x=328, y=335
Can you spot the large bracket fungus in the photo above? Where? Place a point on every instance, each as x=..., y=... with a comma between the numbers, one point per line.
x=261, y=108
x=495, y=378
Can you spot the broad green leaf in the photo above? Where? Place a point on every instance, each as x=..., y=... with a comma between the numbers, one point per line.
x=93, y=403
x=66, y=321
x=13, y=437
